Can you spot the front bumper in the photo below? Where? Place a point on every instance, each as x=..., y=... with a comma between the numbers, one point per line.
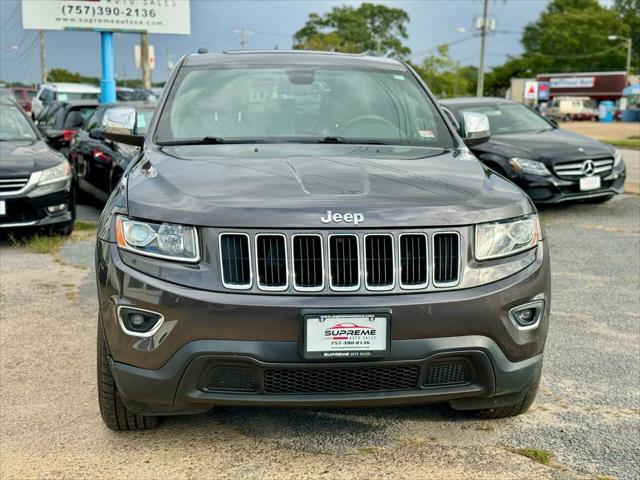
x=170, y=372
x=552, y=189
x=24, y=211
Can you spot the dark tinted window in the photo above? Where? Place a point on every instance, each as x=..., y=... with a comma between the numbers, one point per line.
x=290, y=104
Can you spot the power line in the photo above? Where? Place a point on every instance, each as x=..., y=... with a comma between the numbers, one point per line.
x=6, y=22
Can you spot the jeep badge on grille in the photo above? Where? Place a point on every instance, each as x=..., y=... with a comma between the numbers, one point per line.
x=349, y=217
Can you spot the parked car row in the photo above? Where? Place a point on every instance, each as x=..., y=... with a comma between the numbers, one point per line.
x=46, y=163
x=551, y=165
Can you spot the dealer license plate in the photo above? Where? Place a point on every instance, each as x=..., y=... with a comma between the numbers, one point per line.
x=3, y=207
x=589, y=183
x=346, y=335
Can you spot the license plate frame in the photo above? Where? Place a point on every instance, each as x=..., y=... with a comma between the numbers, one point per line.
x=314, y=323
x=590, y=183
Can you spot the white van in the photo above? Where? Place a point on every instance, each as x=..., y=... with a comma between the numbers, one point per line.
x=572, y=108
x=49, y=92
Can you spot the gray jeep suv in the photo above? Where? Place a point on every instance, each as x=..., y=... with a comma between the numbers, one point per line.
x=307, y=229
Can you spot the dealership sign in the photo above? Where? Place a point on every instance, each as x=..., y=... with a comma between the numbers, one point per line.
x=152, y=16
x=573, y=82
x=531, y=90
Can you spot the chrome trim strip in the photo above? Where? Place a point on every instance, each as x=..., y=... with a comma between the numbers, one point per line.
x=433, y=250
x=30, y=182
x=243, y=286
x=19, y=224
x=293, y=260
x=345, y=289
x=286, y=263
x=393, y=263
x=426, y=261
x=148, y=333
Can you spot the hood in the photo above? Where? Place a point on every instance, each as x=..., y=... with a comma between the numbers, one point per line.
x=550, y=147
x=292, y=186
x=22, y=158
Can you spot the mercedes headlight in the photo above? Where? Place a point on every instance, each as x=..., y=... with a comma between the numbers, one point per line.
x=507, y=237
x=524, y=165
x=162, y=240
x=617, y=157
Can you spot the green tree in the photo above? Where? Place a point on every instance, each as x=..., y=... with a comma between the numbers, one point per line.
x=63, y=75
x=443, y=75
x=368, y=28
x=571, y=36
x=629, y=11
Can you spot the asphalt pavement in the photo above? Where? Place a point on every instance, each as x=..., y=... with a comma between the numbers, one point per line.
x=587, y=413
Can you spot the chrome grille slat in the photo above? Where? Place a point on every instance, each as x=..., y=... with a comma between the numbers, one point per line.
x=308, y=264
x=344, y=262
x=413, y=261
x=379, y=271
x=10, y=186
x=271, y=262
x=235, y=262
x=446, y=259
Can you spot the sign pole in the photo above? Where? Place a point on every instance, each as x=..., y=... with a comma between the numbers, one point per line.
x=107, y=84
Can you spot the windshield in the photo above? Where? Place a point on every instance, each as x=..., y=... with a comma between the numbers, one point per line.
x=300, y=104
x=14, y=126
x=506, y=118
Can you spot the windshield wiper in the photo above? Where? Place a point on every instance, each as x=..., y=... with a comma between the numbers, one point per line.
x=332, y=139
x=194, y=141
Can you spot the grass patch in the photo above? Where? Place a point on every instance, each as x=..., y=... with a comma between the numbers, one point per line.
x=537, y=455
x=44, y=243
x=624, y=143
x=84, y=226
x=604, y=477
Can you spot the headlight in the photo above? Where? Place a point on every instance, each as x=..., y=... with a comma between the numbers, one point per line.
x=508, y=237
x=617, y=157
x=524, y=165
x=55, y=174
x=162, y=240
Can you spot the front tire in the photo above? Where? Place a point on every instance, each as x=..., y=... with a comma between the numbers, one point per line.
x=114, y=412
x=515, y=409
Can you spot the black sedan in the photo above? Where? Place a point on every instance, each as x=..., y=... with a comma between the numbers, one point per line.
x=59, y=121
x=98, y=163
x=35, y=180
x=550, y=164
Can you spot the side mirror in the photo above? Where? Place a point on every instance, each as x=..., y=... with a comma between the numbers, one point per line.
x=119, y=125
x=475, y=128
x=96, y=134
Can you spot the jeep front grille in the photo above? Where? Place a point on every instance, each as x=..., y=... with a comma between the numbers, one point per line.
x=379, y=271
x=602, y=166
x=340, y=262
x=235, y=261
x=344, y=262
x=446, y=259
x=271, y=262
x=308, y=265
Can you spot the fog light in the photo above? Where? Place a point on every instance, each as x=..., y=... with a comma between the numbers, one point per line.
x=138, y=322
x=528, y=315
x=53, y=209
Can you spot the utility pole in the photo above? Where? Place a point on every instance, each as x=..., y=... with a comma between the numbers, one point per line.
x=144, y=60
x=243, y=36
x=43, y=68
x=629, y=47
x=483, y=40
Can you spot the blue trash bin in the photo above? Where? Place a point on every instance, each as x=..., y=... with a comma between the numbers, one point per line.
x=631, y=115
x=606, y=111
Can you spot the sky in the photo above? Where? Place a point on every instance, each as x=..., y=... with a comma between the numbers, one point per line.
x=432, y=22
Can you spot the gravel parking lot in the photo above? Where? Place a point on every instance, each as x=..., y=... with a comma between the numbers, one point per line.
x=587, y=413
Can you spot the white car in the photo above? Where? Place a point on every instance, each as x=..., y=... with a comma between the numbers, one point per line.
x=49, y=92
